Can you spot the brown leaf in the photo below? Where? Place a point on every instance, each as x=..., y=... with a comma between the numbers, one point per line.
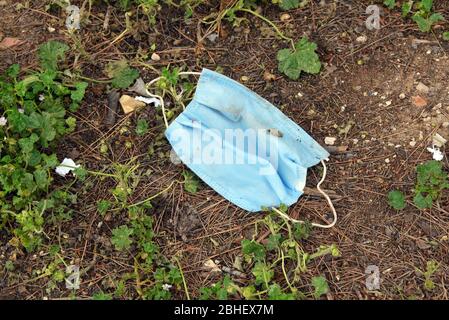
x=129, y=104
x=10, y=42
x=419, y=101
x=422, y=244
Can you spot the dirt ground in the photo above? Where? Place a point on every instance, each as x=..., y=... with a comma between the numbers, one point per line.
x=364, y=97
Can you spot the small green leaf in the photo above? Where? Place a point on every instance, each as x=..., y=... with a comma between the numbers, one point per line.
x=27, y=144
x=80, y=89
x=50, y=53
x=275, y=293
x=141, y=127
x=103, y=206
x=121, y=237
x=288, y=4
x=423, y=202
x=191, y=183
x=426, y=5
x=122, y=75
x=423, y=23
x=262, y=273
x=13, y=71
x=320, y=285
x=80, y=173
x=446, y=36
x=302, y=231
x=390, y=3
x=41, y=178
x=274, y=241
x=101, y=296
x=251, y=247
x=302, y=58
x=406, y=8
x=396, y=199
x=71, y=124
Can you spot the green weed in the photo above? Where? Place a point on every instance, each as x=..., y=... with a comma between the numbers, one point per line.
x=34, y=116
x=421, y=12
x=267, y=261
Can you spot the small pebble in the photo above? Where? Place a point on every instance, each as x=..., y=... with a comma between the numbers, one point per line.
x=361, y=39
x=155, y=57
x=285, y=17
x=421, y=87
x=330, y=141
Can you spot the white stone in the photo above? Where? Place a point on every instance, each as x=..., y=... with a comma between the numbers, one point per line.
x=330, y=141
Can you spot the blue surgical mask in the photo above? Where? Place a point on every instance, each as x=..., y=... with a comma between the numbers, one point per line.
x=242, y=146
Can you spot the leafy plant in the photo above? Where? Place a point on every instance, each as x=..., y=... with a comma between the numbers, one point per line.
x=103, y=206
x=406, y=8
x=302, y=58
x=141, y=127
x=291, y=4
x=432, y=266
x=121, y=237
x=396, y=199
x=431, y=181
x=33, y=114
x=122, y=75
x=422, y=15
x=272, y=258
x=275, y=293
x=219, y=290
x=191, y=182
x=320, y=285
x=101, y=296
x=390, y=3
x=51, y=53
x=446, y=36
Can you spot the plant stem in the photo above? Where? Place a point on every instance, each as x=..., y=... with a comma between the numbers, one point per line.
x=284, y=272
x=93, y=80
x=279, y=32
x=183, y=279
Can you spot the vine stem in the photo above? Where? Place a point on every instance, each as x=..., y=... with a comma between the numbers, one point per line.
x=183, y=278
x=279, y=32
x=285, y=272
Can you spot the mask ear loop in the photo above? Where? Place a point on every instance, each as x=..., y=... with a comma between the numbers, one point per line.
x=149, y=84
x=328, y=199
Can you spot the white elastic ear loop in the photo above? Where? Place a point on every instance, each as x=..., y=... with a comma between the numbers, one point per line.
x=329, y=201
x=160, y=98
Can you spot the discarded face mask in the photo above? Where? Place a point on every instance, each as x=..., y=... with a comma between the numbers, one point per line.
x=242, y=146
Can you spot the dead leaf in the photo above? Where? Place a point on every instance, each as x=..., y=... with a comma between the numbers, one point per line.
x=212, y=266
x=419, y=101
x=10, y=42
x=268, y=76
x=422, y=244
x=139, y=88
x=129, y=104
